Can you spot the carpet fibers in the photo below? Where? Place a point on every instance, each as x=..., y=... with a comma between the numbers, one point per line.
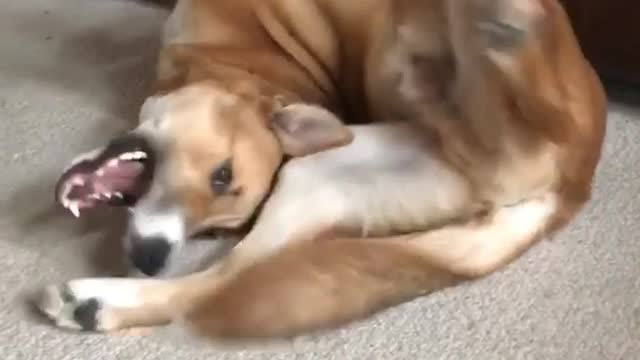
x=73, y=73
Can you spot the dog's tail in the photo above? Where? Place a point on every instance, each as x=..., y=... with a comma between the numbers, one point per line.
x=324, y=284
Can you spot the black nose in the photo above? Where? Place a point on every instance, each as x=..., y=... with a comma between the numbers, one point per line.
x=149, y=255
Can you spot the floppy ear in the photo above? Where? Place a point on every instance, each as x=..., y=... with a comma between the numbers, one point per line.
x=306, y=129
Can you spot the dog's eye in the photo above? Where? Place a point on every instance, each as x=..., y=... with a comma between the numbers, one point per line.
x=221, y=177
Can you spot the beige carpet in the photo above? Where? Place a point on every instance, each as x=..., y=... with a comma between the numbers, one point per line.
x=72, y=72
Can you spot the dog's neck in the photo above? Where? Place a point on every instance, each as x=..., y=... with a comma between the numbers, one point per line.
x=254, y=73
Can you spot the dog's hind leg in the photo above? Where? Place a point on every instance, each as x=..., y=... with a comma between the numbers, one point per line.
x=385, y=182
x=308, y=285
x=322, y=284
x=305, y=286
x=519, y=59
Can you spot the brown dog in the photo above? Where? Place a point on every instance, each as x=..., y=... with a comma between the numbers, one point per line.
x=497, y=128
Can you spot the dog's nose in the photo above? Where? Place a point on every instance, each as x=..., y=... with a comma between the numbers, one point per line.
x=149, y=255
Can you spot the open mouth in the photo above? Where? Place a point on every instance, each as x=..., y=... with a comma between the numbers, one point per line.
x=117, y=176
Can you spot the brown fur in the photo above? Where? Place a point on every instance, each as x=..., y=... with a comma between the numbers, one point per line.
x=493, y=127
x=318, y=285
x=550, y=101
x=523, y=125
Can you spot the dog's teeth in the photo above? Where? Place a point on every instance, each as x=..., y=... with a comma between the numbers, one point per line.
x=140, y=155
x=126, y=156
x=100, y=172
x=104, y=196
x=74, y=208
x=94, y=196
x=135, y=155
x=118, y=195
x=65, y=193
x=113, y=163
x=78, y=181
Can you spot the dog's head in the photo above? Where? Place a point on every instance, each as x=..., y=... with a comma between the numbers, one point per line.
x=201, y=159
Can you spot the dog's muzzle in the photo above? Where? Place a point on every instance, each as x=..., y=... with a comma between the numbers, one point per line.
x=150, y=255
x=117, y=174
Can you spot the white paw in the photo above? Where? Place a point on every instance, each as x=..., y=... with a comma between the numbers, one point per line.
x=93, y=304
x=69, y=312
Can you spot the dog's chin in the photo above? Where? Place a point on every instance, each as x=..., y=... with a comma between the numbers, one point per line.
x=118, y=175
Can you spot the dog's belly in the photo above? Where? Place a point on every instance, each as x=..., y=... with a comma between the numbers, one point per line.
x=387, y=180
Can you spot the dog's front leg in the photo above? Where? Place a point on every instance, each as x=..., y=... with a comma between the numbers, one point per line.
x=386, y=181
x=111, y=304
x=299, y=207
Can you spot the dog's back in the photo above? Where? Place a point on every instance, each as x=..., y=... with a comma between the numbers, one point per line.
x=510, y=120
x=523, y=121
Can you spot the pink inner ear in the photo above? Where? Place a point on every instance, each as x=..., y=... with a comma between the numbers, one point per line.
x=306, y=129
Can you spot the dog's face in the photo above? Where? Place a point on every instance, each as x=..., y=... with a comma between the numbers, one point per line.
x=201, y=159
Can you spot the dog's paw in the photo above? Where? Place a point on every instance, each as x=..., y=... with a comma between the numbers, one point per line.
x=101, y=304
x=67, y=311
x=507, y=24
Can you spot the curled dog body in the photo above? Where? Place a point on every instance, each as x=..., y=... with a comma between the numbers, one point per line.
x=488, y=129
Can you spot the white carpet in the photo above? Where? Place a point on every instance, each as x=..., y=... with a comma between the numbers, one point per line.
x=73, y=72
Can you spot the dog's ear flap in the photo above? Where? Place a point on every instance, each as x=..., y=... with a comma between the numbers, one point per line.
x=306, y=129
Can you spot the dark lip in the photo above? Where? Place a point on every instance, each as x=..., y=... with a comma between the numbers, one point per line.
x=119, y=145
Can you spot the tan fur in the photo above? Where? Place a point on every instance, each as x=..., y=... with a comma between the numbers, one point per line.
x=498, y=134
x=513, y=132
